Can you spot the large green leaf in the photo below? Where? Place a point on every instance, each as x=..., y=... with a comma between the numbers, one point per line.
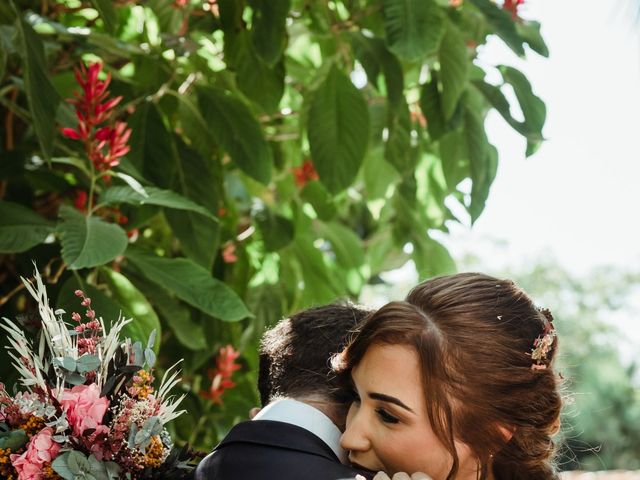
x=42, y=96
x=398, y=150
x=502, y=23
x=338, y=130
x=345, y=244
x=483, y=162
x=152, y=148
x=269, y=28
x=194, y=126
x=108, y=13
x=431, y=257
x=200, y=180
x=431, y=106
x=530, y=32
x=533, y=109
x=135, y=304
x=455, y=158
x=88, y=241
x=154, y=196
x=454, y=68
x=414, y=28
x=235, y=128
x=320, y=199
x=191, y=283
x=21, y=228
x=375, y=57
x=277, y=231
x=262, y=83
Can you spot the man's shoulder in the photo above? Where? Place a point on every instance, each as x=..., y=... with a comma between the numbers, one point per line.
x=264, y=449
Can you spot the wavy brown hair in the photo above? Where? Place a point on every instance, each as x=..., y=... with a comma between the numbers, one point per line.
x=474, y=335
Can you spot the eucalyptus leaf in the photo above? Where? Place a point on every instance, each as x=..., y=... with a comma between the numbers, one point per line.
x=87, y=363
x=61, y=467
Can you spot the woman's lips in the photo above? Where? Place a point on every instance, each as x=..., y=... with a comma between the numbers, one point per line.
x=360, y=467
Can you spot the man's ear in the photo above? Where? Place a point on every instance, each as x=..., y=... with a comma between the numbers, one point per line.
x=253, y=412
x=507, y=432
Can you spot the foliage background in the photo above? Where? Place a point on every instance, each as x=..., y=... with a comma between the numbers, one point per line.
x=283, y=153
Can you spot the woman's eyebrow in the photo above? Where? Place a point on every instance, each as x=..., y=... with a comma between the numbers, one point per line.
x=387, y=398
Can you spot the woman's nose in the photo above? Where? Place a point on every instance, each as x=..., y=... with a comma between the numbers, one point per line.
x=355, y=436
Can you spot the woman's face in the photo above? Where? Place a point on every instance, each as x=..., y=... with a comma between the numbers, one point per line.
x=388, y=427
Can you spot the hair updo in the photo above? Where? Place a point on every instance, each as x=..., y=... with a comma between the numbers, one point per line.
x=475, y=336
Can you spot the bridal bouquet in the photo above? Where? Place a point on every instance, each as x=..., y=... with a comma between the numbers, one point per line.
x=88, y=409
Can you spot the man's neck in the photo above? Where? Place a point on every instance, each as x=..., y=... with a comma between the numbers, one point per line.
x=308, y=415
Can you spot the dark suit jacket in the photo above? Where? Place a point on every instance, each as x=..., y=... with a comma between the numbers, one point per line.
x=269, y=450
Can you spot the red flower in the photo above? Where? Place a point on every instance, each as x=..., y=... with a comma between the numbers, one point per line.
x=229, y=253
x=305, y=173
x=221, y=375
x=80, y=200
x=104, y=144
x=512, y=6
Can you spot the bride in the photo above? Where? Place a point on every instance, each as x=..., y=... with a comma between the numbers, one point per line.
x=457, y=382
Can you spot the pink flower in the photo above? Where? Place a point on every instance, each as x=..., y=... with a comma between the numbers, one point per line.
x=40, y=450
x=85, y=408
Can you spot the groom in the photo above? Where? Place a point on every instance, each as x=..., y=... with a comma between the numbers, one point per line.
x=297, y=433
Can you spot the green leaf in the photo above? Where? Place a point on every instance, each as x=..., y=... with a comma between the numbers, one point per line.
x=21, y=228
x=14, y=439
x=88, y=241
x=530, y=32
x=431, y=106
x=191, y=283
x=431, y=257
x=42, y=97
x=502, y=23
x=194, y=126
x=454, y=69
x=260, y=82
x=345, y=244
x=155, y=196
x=277, y=231
x=87, y=363
x=199, y=180
x=78, y=463
x=188, y=332
x=375, y=57
x=235, y=128
x=108, y=13
x=152, y=150
x=383, y=254
x=398, y=151
x=61, y=467
x=125, y=294
x=483, y=162
x=414, y=28
x=338, y=130
x=269, y=28
x=322, y=201
x=533, y=109
x=455, y=158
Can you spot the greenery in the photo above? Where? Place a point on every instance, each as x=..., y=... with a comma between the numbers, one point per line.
x=282, y=153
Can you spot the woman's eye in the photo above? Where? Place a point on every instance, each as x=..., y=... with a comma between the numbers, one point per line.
x=386, y=417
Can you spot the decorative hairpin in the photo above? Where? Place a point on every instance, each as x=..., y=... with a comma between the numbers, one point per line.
x=543, y=344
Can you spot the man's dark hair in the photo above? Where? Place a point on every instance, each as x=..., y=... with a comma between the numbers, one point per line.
x=295, y=354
